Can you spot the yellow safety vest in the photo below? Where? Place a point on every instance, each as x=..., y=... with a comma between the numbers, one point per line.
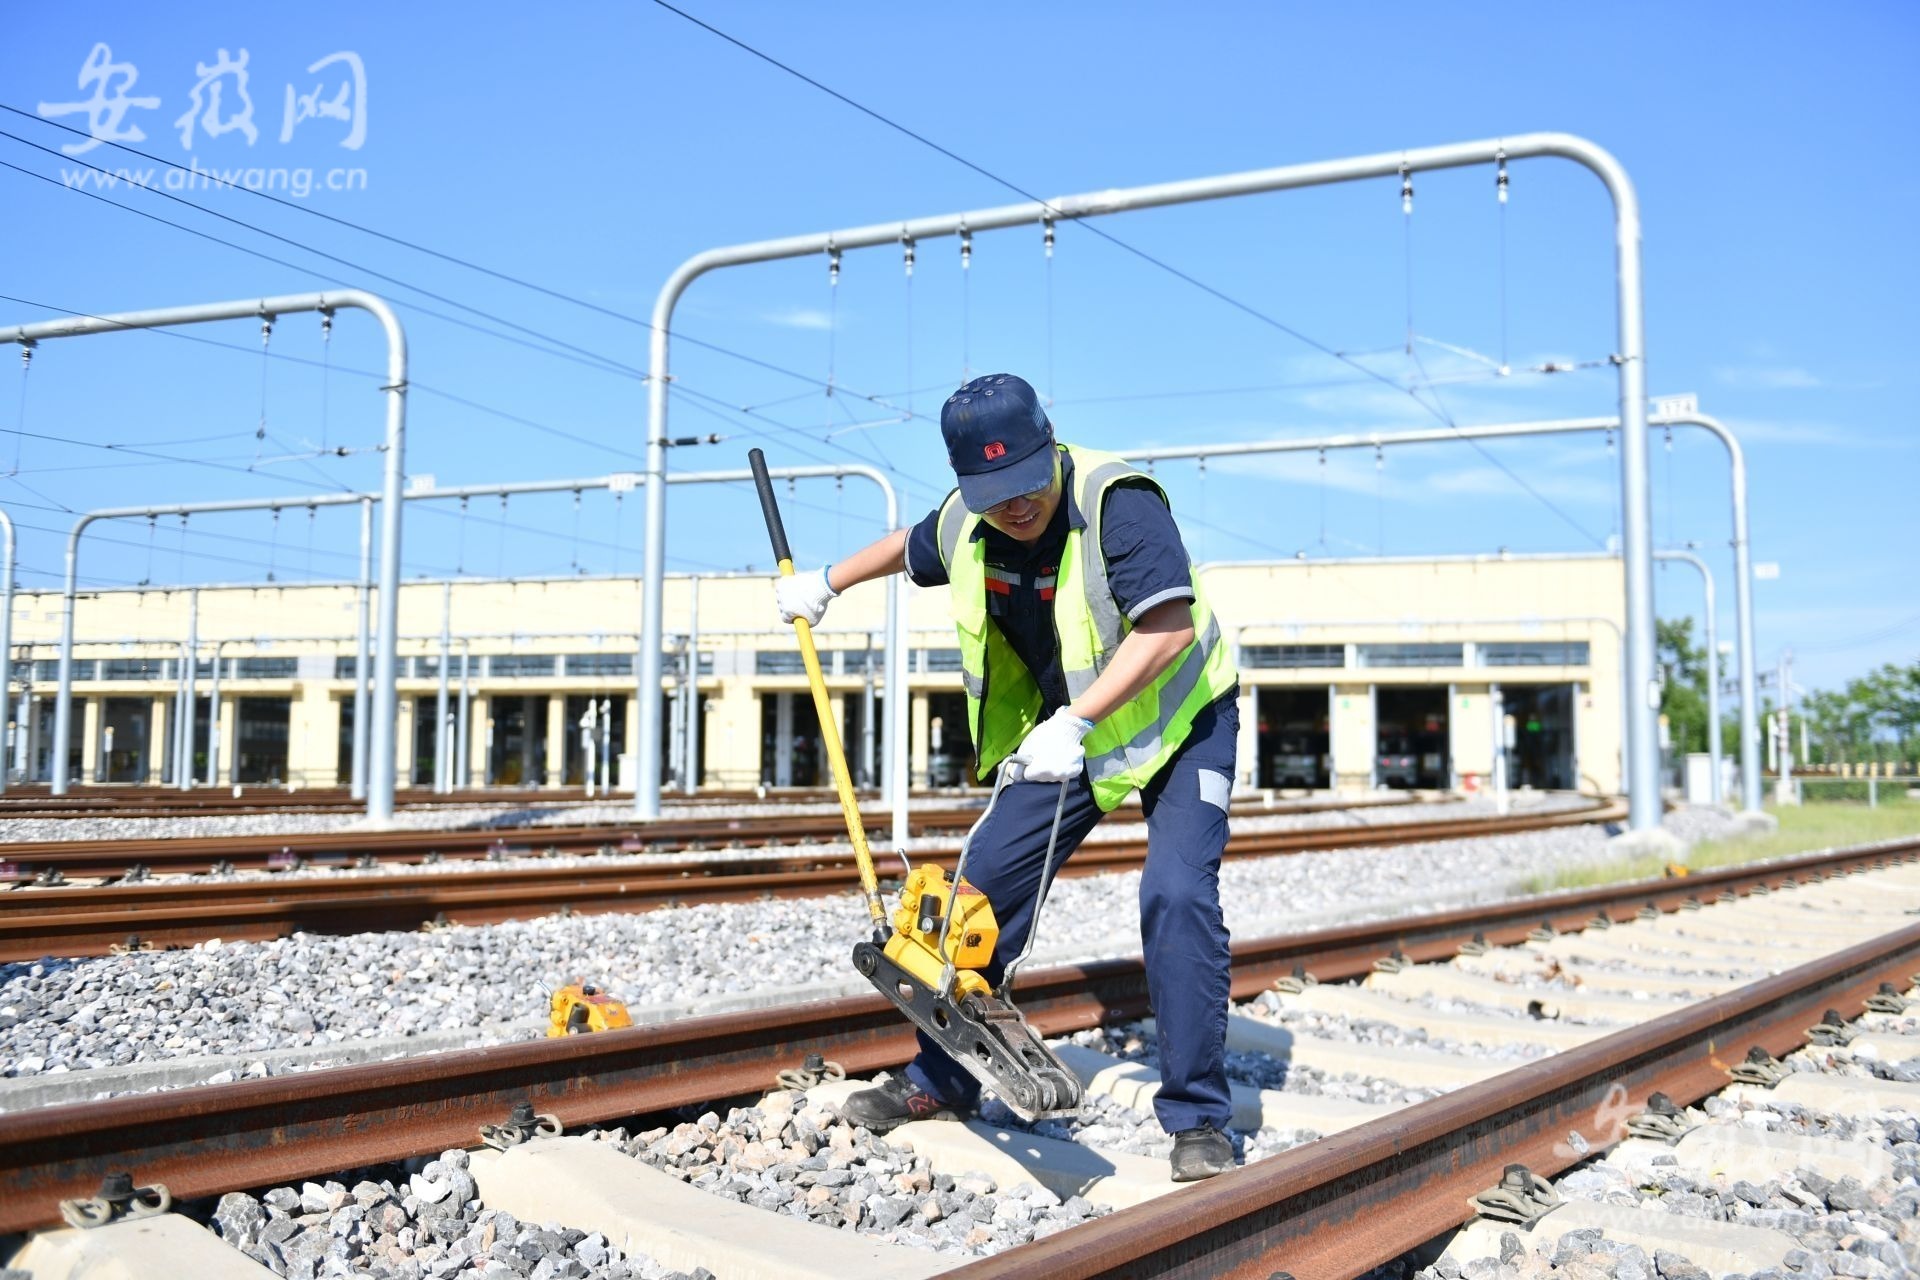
x=1125, y=750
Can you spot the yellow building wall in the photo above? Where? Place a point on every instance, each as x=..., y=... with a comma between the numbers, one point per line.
x=1343, y=603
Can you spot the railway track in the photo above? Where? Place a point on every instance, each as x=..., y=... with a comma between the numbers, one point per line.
x=1834, y=930
x=278, y=852
x=166, y=802
x=92, y=919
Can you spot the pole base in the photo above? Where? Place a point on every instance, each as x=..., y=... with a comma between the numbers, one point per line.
x=1753, y=822
x=1655, y=842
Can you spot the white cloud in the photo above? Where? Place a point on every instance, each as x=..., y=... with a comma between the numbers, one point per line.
x=1790, y=431
x=799, y=318
x=1767, y=378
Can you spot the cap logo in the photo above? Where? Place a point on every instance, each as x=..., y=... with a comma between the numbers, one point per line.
x=995, y=450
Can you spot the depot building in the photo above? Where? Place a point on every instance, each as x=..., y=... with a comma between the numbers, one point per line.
x=1353, y=675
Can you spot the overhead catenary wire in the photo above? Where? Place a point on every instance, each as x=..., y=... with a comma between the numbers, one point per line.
x=1019, y=190
x=1434, y=406
x=593, y=358
x=530, y=338
x=755, y=426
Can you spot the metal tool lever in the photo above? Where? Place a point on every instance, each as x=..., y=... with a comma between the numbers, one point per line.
x=823, y=706
x=1006, y=774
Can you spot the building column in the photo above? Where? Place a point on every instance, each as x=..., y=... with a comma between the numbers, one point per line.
x=1246, y=747
x=730, y=738
x=920, y=745
x=90, y=747
x=1471, y=736
x=1354, y=738
x=479, y=714
x=403, y=748
x=557, y=730
x=226, y=719
x=160, y=719
x=629, y=747
x=313, y=720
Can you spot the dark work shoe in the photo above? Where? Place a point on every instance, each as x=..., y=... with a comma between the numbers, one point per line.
x=891, y=1104
x=1200, y=1153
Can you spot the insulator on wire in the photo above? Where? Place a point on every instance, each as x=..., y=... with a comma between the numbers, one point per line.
x=26, y=356
x=1500, y=179
x=966, y=250
x=1047, y=238
x=1406, y=190
x=1379, y=458
x=326, y=326
x=266, y=330
x=833, y=267
x=907, y=244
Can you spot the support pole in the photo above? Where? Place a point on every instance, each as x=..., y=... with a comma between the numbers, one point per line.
x=1642, y=727
x=1783, y=792
x=1713, y=661
x=188, y=711
x=606, y=747
x=866, y=719
x=213, y=718
x=442, y=775
x=690, y=754
x=380, y=789
x=361, y=650
x=463, y=770
x=171, y=776
x=6, y=646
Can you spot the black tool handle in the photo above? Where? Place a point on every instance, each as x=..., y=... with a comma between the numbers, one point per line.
x=768, y=507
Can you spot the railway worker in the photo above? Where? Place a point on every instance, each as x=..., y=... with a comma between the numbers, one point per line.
x=1089, y=650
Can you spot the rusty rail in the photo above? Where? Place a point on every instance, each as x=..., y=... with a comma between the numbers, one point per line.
x=89, y=920
x=207, y=1140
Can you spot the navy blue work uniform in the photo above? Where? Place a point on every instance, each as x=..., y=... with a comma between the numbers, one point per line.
x=1185, y=804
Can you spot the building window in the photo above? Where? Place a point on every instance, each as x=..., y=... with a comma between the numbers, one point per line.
x=600, y=664
x=343, y=667
x=1293, y=655
x=47, y=670
x=1537, y=653
x=126, y=669
x=266, y=668
x=940, y=660
x=779, y=662
x=1410, y=655
x=521, y=664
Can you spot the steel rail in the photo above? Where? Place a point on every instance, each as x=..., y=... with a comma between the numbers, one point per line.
x=1341, y=1206
x=212, y=1139
x=274, y=852
x=92, y=920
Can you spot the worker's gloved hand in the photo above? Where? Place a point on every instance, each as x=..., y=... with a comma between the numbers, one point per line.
x=803, y=595
x=1052, y=749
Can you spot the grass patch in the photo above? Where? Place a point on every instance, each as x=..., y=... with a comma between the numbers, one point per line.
x=1803, y=829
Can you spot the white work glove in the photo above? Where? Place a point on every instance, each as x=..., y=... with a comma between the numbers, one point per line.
x=1052, y=750
x=803, y=595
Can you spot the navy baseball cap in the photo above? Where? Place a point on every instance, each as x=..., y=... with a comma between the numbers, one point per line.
x=999, y=440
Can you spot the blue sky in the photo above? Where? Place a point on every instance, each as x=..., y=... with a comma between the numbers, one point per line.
x=590, y=150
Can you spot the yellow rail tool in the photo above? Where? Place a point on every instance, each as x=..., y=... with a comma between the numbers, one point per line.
x=927, y=955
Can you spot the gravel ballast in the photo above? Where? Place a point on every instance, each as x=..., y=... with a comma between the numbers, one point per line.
x=313, y=991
